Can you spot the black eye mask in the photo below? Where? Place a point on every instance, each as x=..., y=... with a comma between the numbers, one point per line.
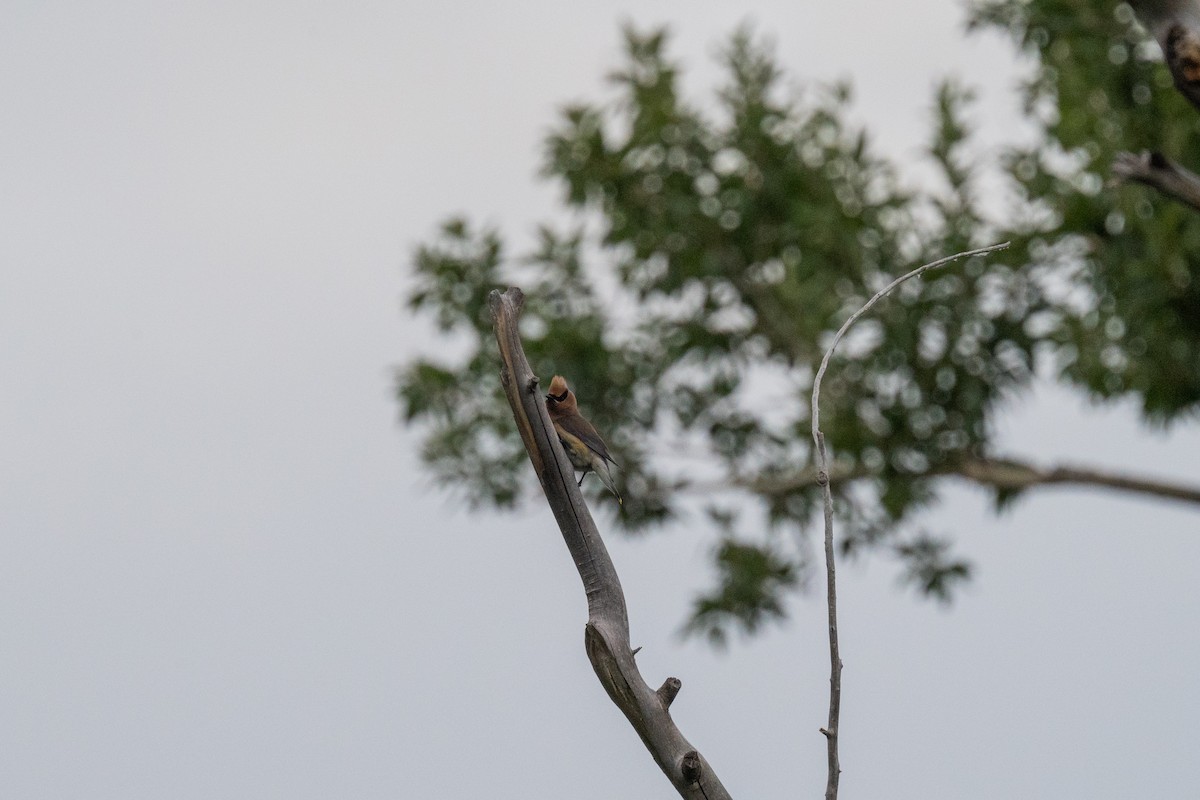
x=558, y=398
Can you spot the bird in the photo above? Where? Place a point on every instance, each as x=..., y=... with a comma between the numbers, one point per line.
x=1176, y=26
x=579, y=439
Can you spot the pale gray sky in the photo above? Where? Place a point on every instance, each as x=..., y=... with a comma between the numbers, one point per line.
x=222, y=572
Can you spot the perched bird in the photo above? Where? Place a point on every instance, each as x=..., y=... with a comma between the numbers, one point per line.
x=582, y=444
x=1176, y=26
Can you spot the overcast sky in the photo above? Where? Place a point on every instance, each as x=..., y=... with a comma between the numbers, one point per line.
x=223, y=573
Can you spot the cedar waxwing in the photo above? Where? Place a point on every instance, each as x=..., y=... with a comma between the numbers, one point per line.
x=1176, y=26
x=582, y=444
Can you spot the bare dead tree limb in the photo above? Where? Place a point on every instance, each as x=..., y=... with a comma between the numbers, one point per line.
x=1158, y=172
x=835, y=660
x=606, y=634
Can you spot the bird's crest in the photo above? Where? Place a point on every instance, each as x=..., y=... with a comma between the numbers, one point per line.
x=559, y=398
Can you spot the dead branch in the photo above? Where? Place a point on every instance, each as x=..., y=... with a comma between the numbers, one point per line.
x=606, y=635
x=830, y=731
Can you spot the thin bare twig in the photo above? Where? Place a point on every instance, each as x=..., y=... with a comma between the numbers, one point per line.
x=835, y=659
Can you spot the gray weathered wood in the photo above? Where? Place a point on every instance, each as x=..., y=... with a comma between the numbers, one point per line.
x=606, y=635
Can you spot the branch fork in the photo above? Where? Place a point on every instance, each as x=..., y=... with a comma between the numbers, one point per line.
x=606, y=634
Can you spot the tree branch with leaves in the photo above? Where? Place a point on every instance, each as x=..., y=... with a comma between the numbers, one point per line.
x=714, y=249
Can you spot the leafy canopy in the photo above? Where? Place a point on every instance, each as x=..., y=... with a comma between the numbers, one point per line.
x=714, y=250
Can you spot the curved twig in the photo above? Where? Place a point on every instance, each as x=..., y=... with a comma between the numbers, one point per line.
x=835, y=660
x=606, y=635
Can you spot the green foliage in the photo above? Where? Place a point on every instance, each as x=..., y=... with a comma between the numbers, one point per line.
x=751, y=582
x=928, y=567
x=715, y=252
x=1129, y=256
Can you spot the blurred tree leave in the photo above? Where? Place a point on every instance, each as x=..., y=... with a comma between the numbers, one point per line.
x=714, y=251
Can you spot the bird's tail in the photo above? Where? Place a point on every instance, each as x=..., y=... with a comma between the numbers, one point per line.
x=605, y=476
